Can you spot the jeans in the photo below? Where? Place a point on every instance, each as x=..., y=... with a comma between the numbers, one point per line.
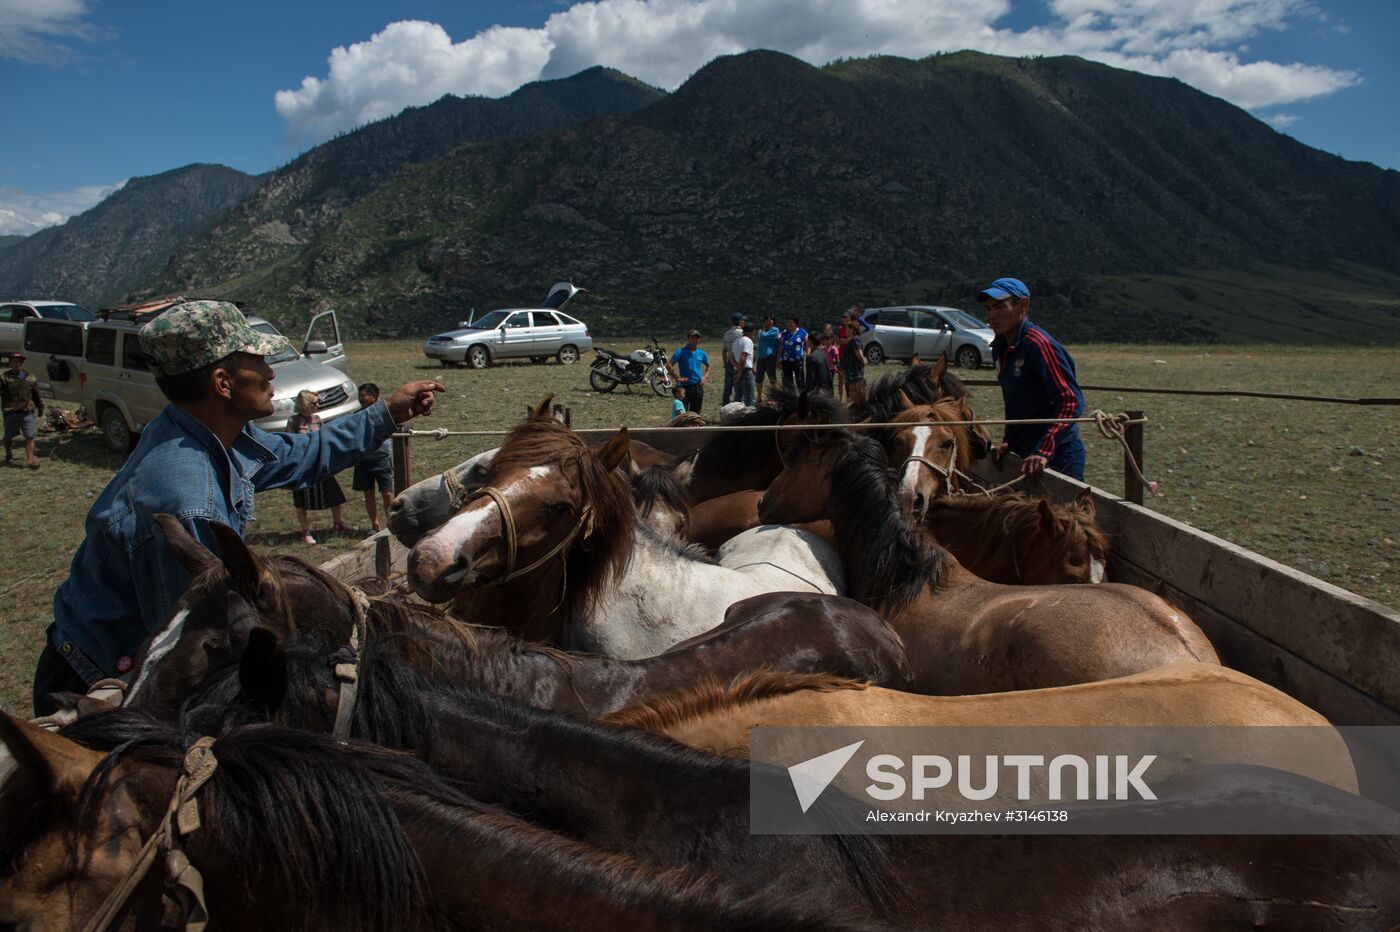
x=745, y=387
x=728, y=384
x=54, y=675
x=694, y=397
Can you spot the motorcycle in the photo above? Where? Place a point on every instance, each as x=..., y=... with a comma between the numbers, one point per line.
x=643, y=366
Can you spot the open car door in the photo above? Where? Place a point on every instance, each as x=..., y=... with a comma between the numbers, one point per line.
x=323, y=342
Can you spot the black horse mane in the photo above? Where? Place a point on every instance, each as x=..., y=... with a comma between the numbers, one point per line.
x=401, y=706
x=735, y=451
x=889, y=559
x=304, y=813
x=882, y=401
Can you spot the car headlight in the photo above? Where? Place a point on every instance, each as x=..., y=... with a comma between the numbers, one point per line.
x=350, y=388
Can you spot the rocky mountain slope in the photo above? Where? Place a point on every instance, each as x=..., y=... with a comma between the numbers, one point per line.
x=9, y=242
x=300, y=200
x=96, y=256
x=765, y=183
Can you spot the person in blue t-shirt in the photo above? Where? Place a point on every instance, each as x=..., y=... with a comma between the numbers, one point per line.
x=691, y=366
x=1037, y=381
x=677, y=402
x=794, y=343
x=769, y=339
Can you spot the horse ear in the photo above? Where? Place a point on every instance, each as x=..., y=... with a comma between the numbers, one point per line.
x=1085, y=503
x=940, y=368
x=804, y=406
x=683, y=466
x=246, y=569
x=542, y=410
x=1048, y=518
x=262, y=671
x=189, y=553
x=53, y=765
x=905, y=402
x=615, y=450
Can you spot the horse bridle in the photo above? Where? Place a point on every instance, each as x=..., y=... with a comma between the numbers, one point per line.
x=348, y=671
x=949, y=473
x=181, y=818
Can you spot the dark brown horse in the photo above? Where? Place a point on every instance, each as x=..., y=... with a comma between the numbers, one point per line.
x=963, y=634
x=793, y=631
x=1019, y=540
x=296, y=831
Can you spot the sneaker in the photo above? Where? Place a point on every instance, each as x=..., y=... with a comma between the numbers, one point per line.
x=307, y=538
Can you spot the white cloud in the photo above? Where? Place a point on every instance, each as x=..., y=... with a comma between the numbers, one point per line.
x=1281, y=120
x=25, y=213
x=410, y=62
x=1201, y=42
x=29, y=29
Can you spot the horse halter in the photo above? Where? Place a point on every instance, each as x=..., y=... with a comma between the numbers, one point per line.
x=949, y=473
x=583, y=528
x=181, y=818
x=348, y=671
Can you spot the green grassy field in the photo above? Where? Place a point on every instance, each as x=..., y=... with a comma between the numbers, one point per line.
x=1311, y=485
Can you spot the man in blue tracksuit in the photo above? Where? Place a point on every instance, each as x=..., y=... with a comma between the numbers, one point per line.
x=1037, y=381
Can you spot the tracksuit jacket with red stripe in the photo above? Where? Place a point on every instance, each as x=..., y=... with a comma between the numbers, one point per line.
x=1037, y=381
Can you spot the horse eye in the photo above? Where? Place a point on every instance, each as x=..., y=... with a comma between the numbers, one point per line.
x=1076, y=560
x=946, y=445
x=561, y=508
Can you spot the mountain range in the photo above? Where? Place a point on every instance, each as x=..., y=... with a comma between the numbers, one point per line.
x=1137, y=208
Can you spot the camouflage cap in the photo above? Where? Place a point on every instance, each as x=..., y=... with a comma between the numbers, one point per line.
x=192, y=335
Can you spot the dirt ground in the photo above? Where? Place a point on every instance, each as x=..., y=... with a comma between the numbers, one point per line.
x=1311, y=485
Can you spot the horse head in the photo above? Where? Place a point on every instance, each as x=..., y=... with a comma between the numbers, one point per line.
x=428, y=504
x=1069, y=546
x=548, y=495
x=230, y=594
x=659, y=493
x=929, y=456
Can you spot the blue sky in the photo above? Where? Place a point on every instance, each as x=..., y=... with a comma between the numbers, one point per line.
x=93, y=93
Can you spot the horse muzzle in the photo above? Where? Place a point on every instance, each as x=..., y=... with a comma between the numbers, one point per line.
x=437, y=575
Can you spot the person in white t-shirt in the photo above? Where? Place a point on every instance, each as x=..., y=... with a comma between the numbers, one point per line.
x=731, y=372
x=743, y=365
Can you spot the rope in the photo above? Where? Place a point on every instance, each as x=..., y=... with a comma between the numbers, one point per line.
x=181, y=818
x=1112, y=427
x=349, y=672
x=440, y=433
x=456, y=491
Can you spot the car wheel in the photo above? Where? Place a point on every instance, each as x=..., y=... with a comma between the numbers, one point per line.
x=599, y=382
x=115, y=434
x=478, y=357
x=874, y=353
x=568, y=355
x=661, y=382
x=969, y=358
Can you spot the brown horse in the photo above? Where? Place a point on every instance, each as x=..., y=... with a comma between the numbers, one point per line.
x=929, y=458
x=963, y=634
x=1019, y=540
x=717, y=717
x=296, y=831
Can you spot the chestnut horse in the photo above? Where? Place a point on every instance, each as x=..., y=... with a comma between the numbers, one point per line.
x=717, y=716
x=1019, y=540
x=964, y=634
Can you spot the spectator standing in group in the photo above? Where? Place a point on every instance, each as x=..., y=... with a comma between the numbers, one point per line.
x=691, y=367
x=853, y=360
x=833, y=356
x=677, y=402
x=794, y=341
x=744, y=363
x=769, y=342
x=1037, y=380
x=22, y=406
x=321, y=494
x=375, y=470
x=818, y=376
x=735, y=331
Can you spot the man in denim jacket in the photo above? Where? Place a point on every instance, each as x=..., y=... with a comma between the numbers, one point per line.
x=199, y=460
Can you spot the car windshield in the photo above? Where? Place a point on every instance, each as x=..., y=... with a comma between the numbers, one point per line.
x=65, y=312
x=490, y=321
x=964, y=319
x=285, y=356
